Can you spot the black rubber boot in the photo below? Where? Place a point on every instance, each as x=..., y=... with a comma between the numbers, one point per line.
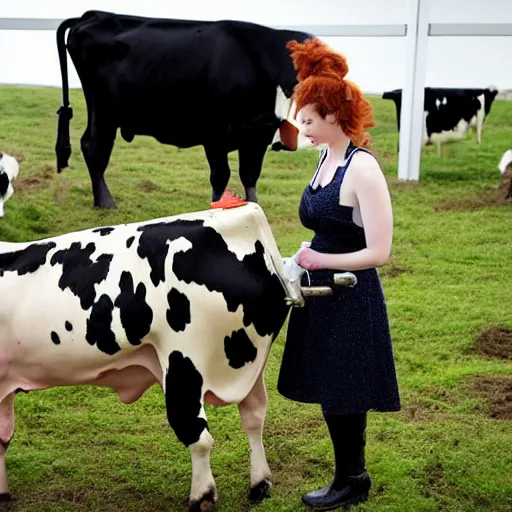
x=351, y=483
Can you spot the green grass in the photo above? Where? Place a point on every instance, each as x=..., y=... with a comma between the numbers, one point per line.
x=81, y=449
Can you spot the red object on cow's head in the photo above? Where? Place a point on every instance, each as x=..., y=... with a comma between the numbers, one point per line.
x=228, y=200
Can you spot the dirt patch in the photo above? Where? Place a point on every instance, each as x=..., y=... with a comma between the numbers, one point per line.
x=148, y=186
x=392, y=268
x=80, y=499
x=396, y=184
x=435, y=482
x=494, y=342
x=35, y=182
x=497, y=391
x=505, y=187
x=494, y=392
x=493, y=197
x=19, y=156
x=385, y=154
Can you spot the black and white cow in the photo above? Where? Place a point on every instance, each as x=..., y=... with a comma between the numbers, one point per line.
x=192, y=302
x=505, y=165
x=9, y=170
x=449, y=112
x=185, y=83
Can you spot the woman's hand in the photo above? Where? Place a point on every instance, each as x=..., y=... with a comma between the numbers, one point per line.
x=309, y=259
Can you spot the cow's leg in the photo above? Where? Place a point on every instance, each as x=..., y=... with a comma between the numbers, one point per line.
x=252, y=413
x=480, y=116
x=97, y=143
x=251, y=157
x=479, y=125
x=6, y=433
x=9, y=192
x=438, y=146
x=220, y=171
x=185, y=412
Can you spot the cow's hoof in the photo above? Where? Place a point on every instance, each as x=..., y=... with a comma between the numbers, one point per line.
x=106, y=204
x=5, y=497
x=260, y=491
x=205, y=504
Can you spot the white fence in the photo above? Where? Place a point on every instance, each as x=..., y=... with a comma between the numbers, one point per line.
x=416, y=30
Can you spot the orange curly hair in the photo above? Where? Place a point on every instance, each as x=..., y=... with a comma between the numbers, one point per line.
x=321, y=74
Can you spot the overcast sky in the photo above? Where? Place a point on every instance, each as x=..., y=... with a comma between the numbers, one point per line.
x=376, y=64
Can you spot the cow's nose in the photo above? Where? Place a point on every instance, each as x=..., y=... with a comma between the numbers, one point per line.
x=279, y=146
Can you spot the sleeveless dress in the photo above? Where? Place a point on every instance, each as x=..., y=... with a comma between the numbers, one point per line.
x=338, y=350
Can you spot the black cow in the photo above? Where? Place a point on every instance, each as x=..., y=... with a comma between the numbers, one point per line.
x=449, y=112
x=185, y=83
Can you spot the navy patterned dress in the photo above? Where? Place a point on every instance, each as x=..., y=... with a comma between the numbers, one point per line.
x=338, y=350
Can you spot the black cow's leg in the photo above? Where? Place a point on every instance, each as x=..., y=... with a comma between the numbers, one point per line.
x=252, y=413
x=251, y=155
x=97, y=143
x=185, y=412
x=220, y=171
x=6, y=433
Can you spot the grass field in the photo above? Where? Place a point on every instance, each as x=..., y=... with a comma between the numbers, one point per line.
x=449, y=292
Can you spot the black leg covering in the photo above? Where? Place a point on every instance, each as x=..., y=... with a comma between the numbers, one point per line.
x=351, y=483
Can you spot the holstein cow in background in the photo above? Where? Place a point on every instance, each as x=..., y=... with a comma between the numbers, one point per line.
x=192, y=302
x=9, y=170
x=185, y=83
x=504, y=166
x=449, y=112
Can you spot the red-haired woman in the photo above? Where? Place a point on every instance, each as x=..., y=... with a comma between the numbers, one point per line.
x=338, y=350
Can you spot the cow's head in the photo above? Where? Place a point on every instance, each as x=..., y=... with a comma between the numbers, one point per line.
x=490, y=95
x=287, y=107
x=9, y=169
x=287, y=136
x=506, y=161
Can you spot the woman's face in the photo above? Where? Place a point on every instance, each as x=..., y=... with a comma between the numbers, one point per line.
x=317, y=129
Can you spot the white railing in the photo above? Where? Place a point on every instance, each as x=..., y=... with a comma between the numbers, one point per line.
x=417, y=31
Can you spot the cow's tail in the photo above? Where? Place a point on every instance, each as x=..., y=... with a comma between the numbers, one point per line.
x=65, y=112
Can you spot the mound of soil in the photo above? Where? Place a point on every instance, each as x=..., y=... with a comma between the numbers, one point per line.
x=497, y=390
x=148, y=186
x=493, y=197
x=494, y=342
x=34, y=182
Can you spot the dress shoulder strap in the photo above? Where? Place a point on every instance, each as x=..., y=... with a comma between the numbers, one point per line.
x=321, y=158
x=351, y=152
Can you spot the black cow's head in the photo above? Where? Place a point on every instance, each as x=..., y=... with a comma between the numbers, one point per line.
x=490, y=95
x=287, y=137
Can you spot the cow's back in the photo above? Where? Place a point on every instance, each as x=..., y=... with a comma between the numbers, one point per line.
x=132, y=68
x=206, y=284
